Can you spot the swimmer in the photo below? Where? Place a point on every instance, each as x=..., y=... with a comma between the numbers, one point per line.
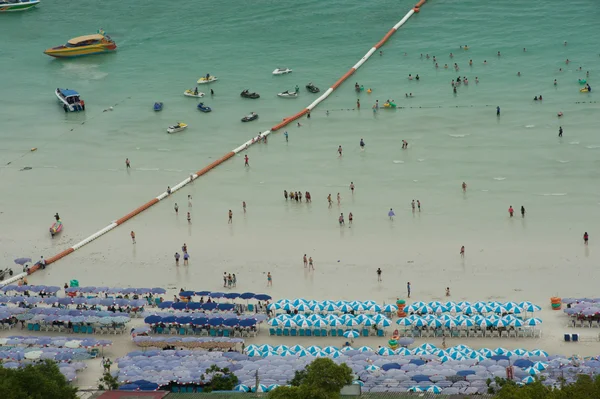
x=410, y=94
x=470, y=62
x=456, y=66
x=339, y=199
x=369, y=91
x=498, y=54
x=452, y=83
x=518, y=73
x=380, y=53
x=326, y=113
x=535, y=98
x=567, y=61
x=465, y=81
x=555, y=83
x=352, y=187
x=410, y=77
x=362, y=144
x=300, y=125
x=454, y=89
x=376, y=104
x=451, y=55
x=358, y=104
x=445, y=66
x=417, y=77
x=560, y=70
x=427, y=56
x=421, y=55
x=436, y=65
x=476, y=79
x=540, y=97
x=587, y=74
x=565, y=42
x=464, y=187
x=498, y=111
x=560, y=114
x=560, y=131
x=434, y=59
x=484, y=62
x=340, y=150
x=524, y=49
x=405, y=53
x=511, y=211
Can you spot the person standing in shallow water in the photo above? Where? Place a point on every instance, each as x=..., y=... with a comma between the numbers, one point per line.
x=511, y=211
x=522, y=211
x=585, y=238
x=560, y=131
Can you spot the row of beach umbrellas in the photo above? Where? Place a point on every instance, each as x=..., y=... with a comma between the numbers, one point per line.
x=34, y=289
x=216, y=343
x=227, y=295
x=330, y=320
x=260, y=317
x=116, y=290
x=305, y=306
x=200, y=320
x=56, y=342
x=584, y=308
x=32, y=300
x=196, y=306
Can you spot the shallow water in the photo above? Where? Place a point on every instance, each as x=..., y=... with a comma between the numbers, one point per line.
x=515, y=160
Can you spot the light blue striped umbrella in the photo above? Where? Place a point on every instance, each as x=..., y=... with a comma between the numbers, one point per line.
x=375, y=308
x=330, y=349
x=532, y=308
x=425, y=309
x=361, y=317
x=487, y=352
x=265, y=347
x=540, y=366
x=500, y=323
x=516, y=323
x=470, y=310
x=428, y=346
x=358, y=382
x=317, y=307
x=340, y=303
x=533, y=321
x=360, y=307
x=347, y=348
x=314, y=349
x=254, y=353
x=286, y=353
x=411, y=308
x=445, y=358
x=385, y=351
x=439, y=309
x=287, y=306
x=433, y=304
x=296, y=348
x=450, y=324
x=259, y=388
x=274, y=306
x=305, y=324
x=351, y=334
x=299, y=301
x=510, y=305
x=314, y=317
x=434, y=389
x=404, y=322
x=385, y=323
x=500, y=309
x=320, y=323
x=528, y=380
x=484, y=323
x=501, y=351
x=302, y=307
x=389, y=308
x=351, y=322
x=520, y=352
x=345, y=308
x=368, y=322
x=453, y=308
x=378, y=317
x=467, y=323
x=493, y=317
x=539, y=352
x=336, y=323
x=302, y=353
x=372, y=368
x=403, y=351
x=250, y=347
x=486, y=309
x=446, y=317
x=272, y=386
x=421, y=351
x=464, y=304
x=419, y=323
x=280, y=348
x=415, y=389
x=269, y=353
x=241, y=388
x=365, y=349
x=369, y=303
x=345, y=317
x=517, y=310
x=435, y=323
x=329, y=308
x=289, y=323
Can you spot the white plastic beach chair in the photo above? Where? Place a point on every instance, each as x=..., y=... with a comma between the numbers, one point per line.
x=504, y=334
x=512, y=334
x=495, y=334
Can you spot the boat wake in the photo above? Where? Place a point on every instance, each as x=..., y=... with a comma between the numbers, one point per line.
x=500, y=178
x=592, y=146
x=396, y=161
x=421, y=159
x=553, y=194
x=458, y=136
x=84, y=71
x=561, y=161
x=163, y=149
x=574, y=142
x=173, y=170
x=529, y=126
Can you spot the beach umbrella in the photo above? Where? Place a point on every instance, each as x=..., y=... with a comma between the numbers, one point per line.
x=467, y=323
x=419, y=322
x=286, y=353
x=435, y=323
x=259, y=388
x=389, y=308
x=301, y=307
x=360, y=307
x=516, y=323
x=434, y=389
x=403, y=351
x=262, y=297
x=425, y=309
x=533, y=321
x=484, y=323
x=385, y=351
x=414, y=389
x=345, y=308
x=368, y=322
x=22, y=261
x=539, y=352
x=351, y=322
x=372, y=368
x=302, y=353
x=540, y=366
x=330, y=349
x=532, y=371
x=365, y=349
x=450, y=324
x=528, y=380
x=531, y=308
x=469, y=310
x=406, y=322
x=384, y=323
x=33, y=355
x=427, y=347
x=351, y=334
x=241, y=388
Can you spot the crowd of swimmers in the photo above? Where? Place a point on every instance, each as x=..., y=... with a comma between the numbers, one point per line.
x=296, y=195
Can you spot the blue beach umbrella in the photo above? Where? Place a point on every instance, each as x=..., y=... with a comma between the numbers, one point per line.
x=533, y=321
x=351, y=334
x=385, y=351
x=241, y=388
x=389, y=308
x=528, y=380
x=262, y=297
x=372, y=368
x=435, y=323
x=384, y=323
x=405, y=322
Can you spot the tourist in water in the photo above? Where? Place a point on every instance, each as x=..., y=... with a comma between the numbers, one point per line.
x=585, y=238
x=244, y=206
x=339, y=199
x=378, y=274
x=310, y=263
x=132, y=234
x=329, y=201
x=412, y=204
x=286, y=135
x=341, y=219
x=464, y=187
x=498, y=110
x=555, y=83
x=419, y=205
x=176, y=208
x=522, y=211
x=305, y=260
x=189, y=217
x=177, y=256
x=230, y=221
x=246, y=159
x=511, y=211
x=410, y=77
x=560, y=131
x=340, y=150
x=391, y=214
x=476, y=80
x=127, y=163
x=408, y=289
x=352, y=187
x=358, y=103
x=350, y=217
x=462, y=251
x=362, y=144
x=269, y=280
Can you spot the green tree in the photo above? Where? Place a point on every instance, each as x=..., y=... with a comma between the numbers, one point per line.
x=585, y=387
x=222, y=379
x=40, y=381
x=108, y=382
x=322, y=379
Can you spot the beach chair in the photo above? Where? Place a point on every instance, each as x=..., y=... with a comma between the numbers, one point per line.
x=323, y=332
x=272, y=331
x=279, y=332
x=381, y=333
x=213, y=332
x=340, y=332
x=416, y=333
x=333, y=332
x=307, y=332
x=36, y=327
x=175, y=389
x=293, y=332
x=520, y=333
x=317, y=332
x=463, y=333
x=75, y=329
x=286, y=332
x=226, y=333
x=479, y=333
x=439, y=333
x=504, y=334
x=495, y=334
x=365, y=332
x=512, y=334
x=30, y=326
x=537, y=333
x=301, y=332
x=251, y=308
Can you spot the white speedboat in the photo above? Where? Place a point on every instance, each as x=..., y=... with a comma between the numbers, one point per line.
x=177, y=128
x=70, y=100
x=281, y=71
x=287, y=94
x=204, y=80
x=192, y=93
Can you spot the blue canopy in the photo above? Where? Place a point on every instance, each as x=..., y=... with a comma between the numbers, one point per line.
x=499, y=357
x=128, y=387
x=231, y=322
x=200, y=320
x=262, y=297
x=68, y=92
x=202, y=293
x=247, y=322
x=231, y=295
x=216, y=295
x=217, y=321
x=420, y=378
x=247, y=295
x=465, y=373
x=225, y=306
x=179, y=305
x=209, y=306
x=187, y=293
x=523, y=363
x=418, y=362
x=391, y=366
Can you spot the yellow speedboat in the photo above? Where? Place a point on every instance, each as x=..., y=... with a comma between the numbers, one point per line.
x=83, y=45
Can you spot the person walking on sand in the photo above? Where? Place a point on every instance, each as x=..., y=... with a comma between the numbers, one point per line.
x=498, y=111
x=391, y=214
x=464, y=187
x=362, y=144
x=350, y=217
x=358, y=104
x=225, y=279
x=246, y=159
x=311, y=264
x=184, y=248
x=189, y=201
x=329, y=200
x=379, y=274
x=339, y=199
x=341, y=219
x=419, y=205
x=560, y=131
x=177, y=258
x=340, y=150
x=176, y=207
x=511, y=211
x=189, y=217
x=408, y=288
x=352, y=187
x=186, y=256
x=127, y=163
x=132, y=234
x=447, y=291
x=585, y=238
x=462, y=251
x=522, y=211
x=412, y=204
x=233, y=280
x=305, y=260
x=230, y=221
x=269, y=280
x=244, y=206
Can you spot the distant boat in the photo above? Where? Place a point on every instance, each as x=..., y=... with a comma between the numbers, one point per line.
x=204, y=80
x=70, y=100
x=177, y=128
x=158, y=106
x=83, y=45
x=281, y=71
x=204, y=108
x=17, y=5
x=192, y=93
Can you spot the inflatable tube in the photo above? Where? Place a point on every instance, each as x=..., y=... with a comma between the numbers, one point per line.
x=584, y=90
x=206, y=169
x=582, y=81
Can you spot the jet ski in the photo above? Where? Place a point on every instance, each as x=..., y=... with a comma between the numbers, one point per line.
x=204, y=108
x=247, y=94
x=191, y=93
x=177, y=128
x=204, y=80
x=287, y=94
x=248, y=118
x=312, y=88
x=281, y=71
x=158, y=106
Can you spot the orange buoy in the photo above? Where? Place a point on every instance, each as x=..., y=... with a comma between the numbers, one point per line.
x=416, y=9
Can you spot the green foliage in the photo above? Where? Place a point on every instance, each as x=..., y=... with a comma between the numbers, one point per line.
x=222, y=379
x=585, y=387
x=108, y=382
x=40, y=381
x=322, y=379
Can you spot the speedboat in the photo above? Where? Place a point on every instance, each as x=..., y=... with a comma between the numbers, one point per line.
x=83, y=45
x=281, y=71
x=204, y=80
x=158, y=106
x=177, y=128
x=312, y=88
x=204, y=108
x=70, y=100
x=192, y=93
x=248, y=118
x=247, y=94
x=287, y=94
x=56, y=228
x=17, y=5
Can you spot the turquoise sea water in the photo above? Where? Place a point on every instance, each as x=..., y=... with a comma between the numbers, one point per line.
x=517, y=159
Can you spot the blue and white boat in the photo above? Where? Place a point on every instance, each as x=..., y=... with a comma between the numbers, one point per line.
x=204, y=108
x=158, y=106
x=70, y=100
